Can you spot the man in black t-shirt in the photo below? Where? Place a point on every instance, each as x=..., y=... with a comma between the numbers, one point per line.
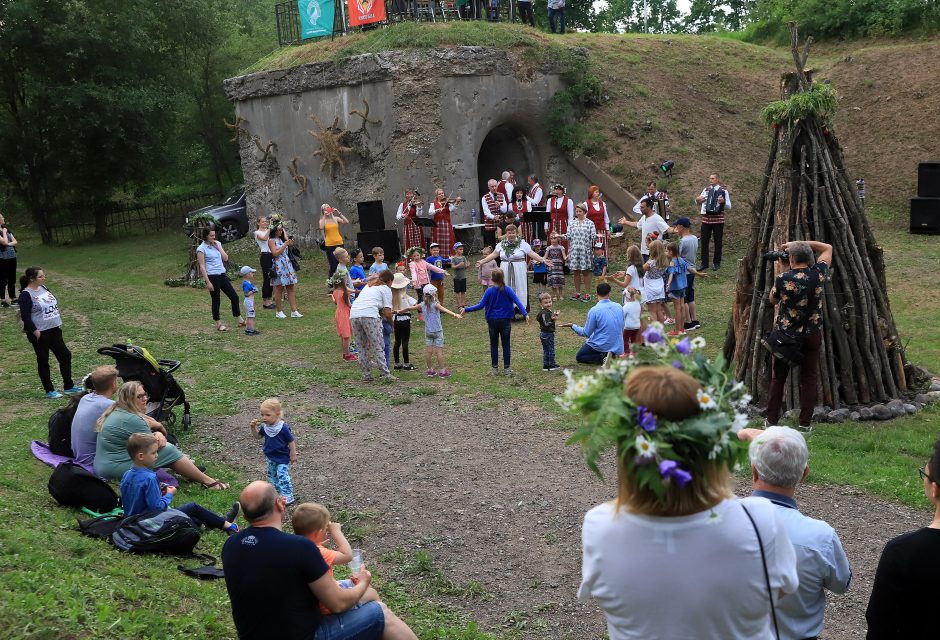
x=799, y=293
x=276, y=582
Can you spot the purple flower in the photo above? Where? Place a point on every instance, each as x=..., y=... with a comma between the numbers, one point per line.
x=652, y=335
x=676, y=364
x=670, y=469
x=646, y=418
x=684, y=347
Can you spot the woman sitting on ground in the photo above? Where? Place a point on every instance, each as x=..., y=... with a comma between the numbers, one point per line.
x=676, y=555
x=126, y=416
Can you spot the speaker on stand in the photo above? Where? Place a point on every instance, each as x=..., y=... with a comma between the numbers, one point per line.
x=386, y=238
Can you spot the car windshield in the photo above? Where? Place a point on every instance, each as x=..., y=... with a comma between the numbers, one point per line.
x=233, y=196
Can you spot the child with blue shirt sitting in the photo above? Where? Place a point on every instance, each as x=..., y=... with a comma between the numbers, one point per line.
x=249, y=290
x=140, y=491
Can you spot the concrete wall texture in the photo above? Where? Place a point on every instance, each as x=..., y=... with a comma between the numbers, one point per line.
x=445, y=119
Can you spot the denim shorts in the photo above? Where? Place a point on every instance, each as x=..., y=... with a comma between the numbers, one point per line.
x=249, y=307
x=434, y=339
x=362, y=622
x=677, y=294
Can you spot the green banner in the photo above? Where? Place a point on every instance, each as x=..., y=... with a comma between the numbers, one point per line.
x=316, y=18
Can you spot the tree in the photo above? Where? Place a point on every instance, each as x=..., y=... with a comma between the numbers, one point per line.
x=641, y=16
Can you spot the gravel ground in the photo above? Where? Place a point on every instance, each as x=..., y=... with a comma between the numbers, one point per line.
x=497, y=498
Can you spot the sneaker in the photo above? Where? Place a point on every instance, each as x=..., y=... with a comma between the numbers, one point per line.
x=387, y=377
x=296, y=314
x=695, y=324
x=507, y=372
x=494, y=371
x=444, y=373
x=675, y=332
x=430, y=373
x=552, y=367
x=15, y=303
x=576, y=297
x=716, y=267
x=688, y=326
x=290, y=501
x=669, y=321
x=279, y=314
x=409, y=367
x=398, y=367
x=74, y=389
x=232, y=513
x=586, y=298
x=252, y=332
x=52, y=395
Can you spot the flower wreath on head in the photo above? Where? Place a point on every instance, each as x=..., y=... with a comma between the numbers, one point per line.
x=557, y=186
x=411, y=250
x=655, y=450
x=275, y=221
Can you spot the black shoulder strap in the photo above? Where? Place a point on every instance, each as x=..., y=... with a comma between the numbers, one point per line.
x=763, y=559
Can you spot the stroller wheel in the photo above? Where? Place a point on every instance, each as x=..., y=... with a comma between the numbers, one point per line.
x=187, y=421
x=169, y=419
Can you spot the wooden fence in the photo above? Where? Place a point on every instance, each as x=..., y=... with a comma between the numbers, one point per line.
x=152, y=216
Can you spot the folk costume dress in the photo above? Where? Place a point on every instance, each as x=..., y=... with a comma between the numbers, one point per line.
x=443, y=231
x=520, y=208
x=513, y=262
x=597, y=213
x=556, y=266
x=562, y=212
x=581, y=236
x=413, y=235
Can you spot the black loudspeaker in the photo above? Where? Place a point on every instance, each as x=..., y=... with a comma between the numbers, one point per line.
x=925, y=215
x=371, y=215
x=387, y=239
x=928, y=180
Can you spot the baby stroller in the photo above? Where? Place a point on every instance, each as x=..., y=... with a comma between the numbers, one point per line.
x=136, y=363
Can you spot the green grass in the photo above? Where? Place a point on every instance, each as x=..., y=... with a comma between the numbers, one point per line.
x=59, y=584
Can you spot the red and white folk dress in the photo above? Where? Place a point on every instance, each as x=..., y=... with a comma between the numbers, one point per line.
x=413, y=236
x=597, y=213
x=443, y=231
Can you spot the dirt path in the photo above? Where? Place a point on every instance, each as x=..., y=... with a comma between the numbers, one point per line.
x=498, y=504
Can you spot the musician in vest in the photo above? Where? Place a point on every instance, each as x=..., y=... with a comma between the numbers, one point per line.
x=714, y=200
x=536, y=198
x=492, y=206
x=520, y=208
x=561, y=210
x=597, y=213
x=411, y=208
x=443, y=231
x=653, y=193
x=506, y=186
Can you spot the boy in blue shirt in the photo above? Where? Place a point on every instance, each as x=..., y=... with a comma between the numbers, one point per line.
x=600, y=260
x=437, y=279
x=378, y=266
x=249, y=289
x=140, y=491
x=357, y=272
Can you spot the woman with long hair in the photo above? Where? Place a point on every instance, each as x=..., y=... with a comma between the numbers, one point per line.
x=262, y=233
x=499, y=302
x=581, y=235
x=284, y=277
x=42, y=324
x=212, y=259
x=330, y=219
x=127, y=416
x=7, y=264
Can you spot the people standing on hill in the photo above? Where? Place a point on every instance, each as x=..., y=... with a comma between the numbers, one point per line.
x=556, y=11
x=714, y=200
x=654, y=194
x=261, y=238
x=650, y=225
x=688, y=250
x=330, y=219
x=493, y=204
x=525, y=12
x=410, y=208
x=7, y=264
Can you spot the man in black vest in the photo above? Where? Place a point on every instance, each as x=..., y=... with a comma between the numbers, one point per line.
x=714, y=199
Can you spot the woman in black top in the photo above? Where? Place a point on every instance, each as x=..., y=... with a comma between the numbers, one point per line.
x=907, y=582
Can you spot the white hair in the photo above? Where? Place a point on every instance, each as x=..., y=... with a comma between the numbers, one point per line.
x=505, y=175
x=779, y=455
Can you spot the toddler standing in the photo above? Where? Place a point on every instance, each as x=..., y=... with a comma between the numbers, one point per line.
x=546, y=319
x=402, y=306
x=459, y=263
x=599, y=261
x=557, y=256
x=249, y=289
x=280, y=447
x=343, y=324
x=632, y=324
x=434, y=331
x=485, y=270
x=539, y=269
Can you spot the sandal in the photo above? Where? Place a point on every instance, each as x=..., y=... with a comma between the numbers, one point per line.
x=242, y=323
x=215, y=485
x=221, y=327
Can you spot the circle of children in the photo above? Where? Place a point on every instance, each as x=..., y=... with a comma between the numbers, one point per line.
x=373, y=317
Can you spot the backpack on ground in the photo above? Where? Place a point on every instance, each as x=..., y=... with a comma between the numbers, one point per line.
x=100, y=527
x=169, y=531
x=60, y=429
x=73, y=486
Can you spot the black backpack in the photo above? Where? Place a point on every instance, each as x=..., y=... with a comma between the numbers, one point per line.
x=101, y=527
x=72, y=486
x=60, y=429
x=169, y=531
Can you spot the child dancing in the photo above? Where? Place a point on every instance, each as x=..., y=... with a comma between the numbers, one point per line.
x=280, y=448
x=499, y=300
x=434, y=331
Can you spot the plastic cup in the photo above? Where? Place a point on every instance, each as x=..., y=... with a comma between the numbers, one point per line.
x=356, y=561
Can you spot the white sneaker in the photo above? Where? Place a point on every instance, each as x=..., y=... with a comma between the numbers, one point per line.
x=279, y=314
x=296, y=314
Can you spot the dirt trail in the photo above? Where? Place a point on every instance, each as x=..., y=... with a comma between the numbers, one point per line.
x=498, y=502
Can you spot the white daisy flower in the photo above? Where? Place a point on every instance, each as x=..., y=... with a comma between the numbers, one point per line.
x=698, y=342
x=740, y=421
x=744, y=400
x=645, y=448
x=705, y=399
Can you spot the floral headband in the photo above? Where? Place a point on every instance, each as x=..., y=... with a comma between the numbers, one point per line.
x=275, y=221
x=413, y=249
x=655, y=450
x=556, y=187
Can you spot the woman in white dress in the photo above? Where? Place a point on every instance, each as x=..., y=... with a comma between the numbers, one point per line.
x=512, y=252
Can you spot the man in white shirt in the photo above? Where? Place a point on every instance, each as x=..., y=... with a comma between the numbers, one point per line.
x=779, y=462
x=506, y=186
x=648, y=223
x=714, y=200
x=535, y=196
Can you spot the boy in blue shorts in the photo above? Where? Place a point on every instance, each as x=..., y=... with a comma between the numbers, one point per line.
x=249, y=289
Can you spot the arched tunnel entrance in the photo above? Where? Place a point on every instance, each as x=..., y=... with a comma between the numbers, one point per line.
x=506, y=148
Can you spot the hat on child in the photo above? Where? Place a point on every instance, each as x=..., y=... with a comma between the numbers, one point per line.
x=400, y=281
x=599, y=245
x=457, y=245
x=684, y=222
x=536, y=243
x=246, y=270
x=434, y=244
x=429, y=290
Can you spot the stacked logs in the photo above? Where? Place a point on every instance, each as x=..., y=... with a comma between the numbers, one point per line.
x=807, y=195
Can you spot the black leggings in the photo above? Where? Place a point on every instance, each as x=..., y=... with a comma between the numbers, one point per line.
x=220, y=284
x=525, y=13
x=402, y=337
x=51, y=340
x=266, y=263
x=331, y=258
x=8, y=277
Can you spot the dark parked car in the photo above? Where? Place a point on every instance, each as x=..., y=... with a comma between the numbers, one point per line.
x=231, y=216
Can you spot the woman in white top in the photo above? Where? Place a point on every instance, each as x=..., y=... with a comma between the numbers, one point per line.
x=212, y=258
x=512, y=252
x=262, y=233
x=676, y=556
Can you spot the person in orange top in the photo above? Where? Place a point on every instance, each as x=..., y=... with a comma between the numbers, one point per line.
x=312, y=521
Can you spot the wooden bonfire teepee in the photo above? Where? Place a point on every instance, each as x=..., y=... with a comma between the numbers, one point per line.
x=807, y=195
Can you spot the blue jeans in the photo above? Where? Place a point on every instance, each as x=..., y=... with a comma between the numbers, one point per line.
x=201, y=515
x=548, y=348
x=500, y=330
x=362, y=622
x=552, y=14
x=279, y=476
x=387, y=330
x=589, y=355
